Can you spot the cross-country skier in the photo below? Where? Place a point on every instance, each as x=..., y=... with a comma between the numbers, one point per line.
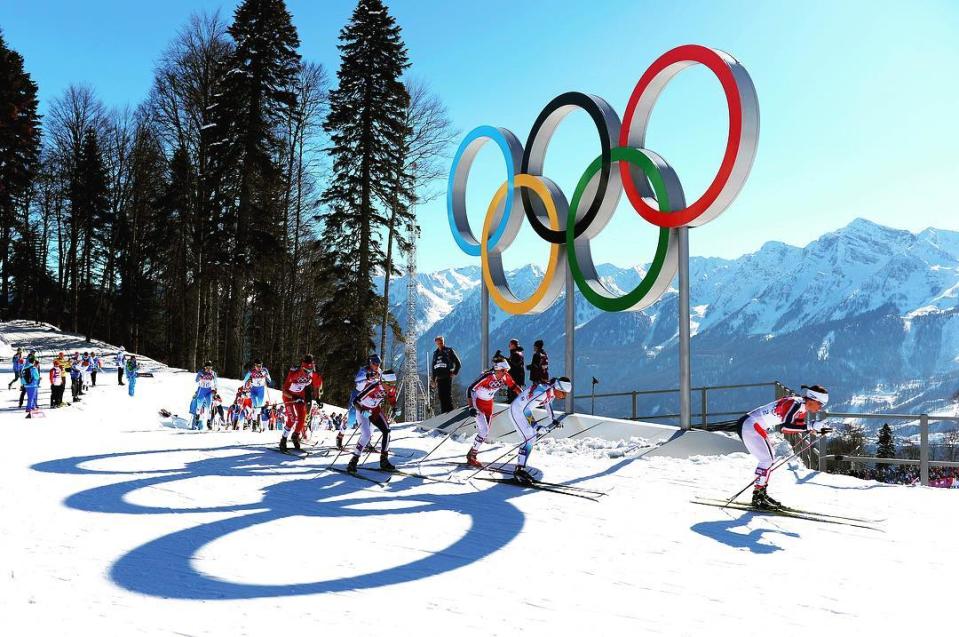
x=787, y=415
x=369, y=411
x=301, y=386
x=541, y=396
x=18, y=360
x=206, y=387
x=257, y=380
x=120, y=359
x=132, y=366
x=479, y=398
x=367, y=374
x=30, y=381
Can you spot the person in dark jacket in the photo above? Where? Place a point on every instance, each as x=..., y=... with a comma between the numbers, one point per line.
x=517, y=368
x=539, y=366
x=446, y=365
x=18, y=361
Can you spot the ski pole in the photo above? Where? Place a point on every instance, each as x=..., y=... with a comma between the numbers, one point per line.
x=371, y=449
x=536, y=439
x=345, y=447
x=445, y=438
x=773, y=468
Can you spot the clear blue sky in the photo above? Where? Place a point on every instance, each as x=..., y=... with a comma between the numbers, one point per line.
x=859, y=100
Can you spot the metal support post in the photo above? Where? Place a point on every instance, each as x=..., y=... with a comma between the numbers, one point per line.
x=570, y=333
x=685, y=377
x=484, y=325
x=924, y=449
x=705, y=406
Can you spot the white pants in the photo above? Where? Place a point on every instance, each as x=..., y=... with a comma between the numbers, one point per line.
x=367, y=420
x=757, y=442
x=484, y=416
x=526, y=431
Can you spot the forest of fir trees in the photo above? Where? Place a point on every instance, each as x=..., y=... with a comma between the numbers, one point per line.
x=240, y=210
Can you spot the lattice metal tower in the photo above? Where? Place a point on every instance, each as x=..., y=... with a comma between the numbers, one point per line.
x=415, y=403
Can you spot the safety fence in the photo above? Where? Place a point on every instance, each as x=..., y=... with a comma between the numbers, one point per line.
x=715, y=406
x=819, y=458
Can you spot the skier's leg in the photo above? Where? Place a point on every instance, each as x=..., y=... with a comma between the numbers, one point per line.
x=380, y=421
x=366, y=433
x=526, y=432
x=484, y=416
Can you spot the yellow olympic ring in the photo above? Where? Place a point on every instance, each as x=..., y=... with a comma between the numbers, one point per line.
x=550, y=287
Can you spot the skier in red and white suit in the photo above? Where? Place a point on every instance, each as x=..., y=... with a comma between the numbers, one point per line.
x=301, y=386
x=787, y=415
x=369, y=411
x=479, y=398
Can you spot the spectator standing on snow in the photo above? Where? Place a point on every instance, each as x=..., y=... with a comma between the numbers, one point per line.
x=120, y=359
x=517, y=369
x=18, y=361
x=73, y=371
x=539, y=366
x=131, y=371
x=57, y=383
x=30, y=381
x=446, y=365
x=94, y=368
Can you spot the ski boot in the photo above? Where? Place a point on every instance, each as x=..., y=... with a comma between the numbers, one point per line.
x=521, y=475
x=385, y=463
x=296, y=440
x=351, y=467
x=339, y=441
x=283, y=446
x=472, y=461
x=761, y=499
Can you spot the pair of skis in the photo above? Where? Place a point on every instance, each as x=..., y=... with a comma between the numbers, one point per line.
x=790, y=512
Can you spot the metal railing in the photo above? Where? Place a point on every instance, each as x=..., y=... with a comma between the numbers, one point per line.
x=703, y=415
x=924, y=462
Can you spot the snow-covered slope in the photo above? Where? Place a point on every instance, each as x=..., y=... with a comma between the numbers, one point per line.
x=114, y=524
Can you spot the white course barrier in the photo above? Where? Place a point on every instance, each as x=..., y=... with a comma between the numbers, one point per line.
x=665, y=440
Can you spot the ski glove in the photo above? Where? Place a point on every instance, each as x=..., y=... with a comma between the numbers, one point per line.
x=557, y=424
x=473, y=412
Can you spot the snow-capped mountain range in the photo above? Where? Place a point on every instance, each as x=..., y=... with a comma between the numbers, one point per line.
x=869, y=311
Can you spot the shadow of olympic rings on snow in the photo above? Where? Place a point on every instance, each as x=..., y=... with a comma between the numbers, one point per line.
x=164, y=567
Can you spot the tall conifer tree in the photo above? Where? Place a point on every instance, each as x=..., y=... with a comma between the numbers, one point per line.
x=258, y=93
x=19, y=150
x=368, y=128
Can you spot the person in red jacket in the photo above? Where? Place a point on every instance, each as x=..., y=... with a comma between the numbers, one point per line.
x=301, y=386
x=57, y=383
x=479, y=399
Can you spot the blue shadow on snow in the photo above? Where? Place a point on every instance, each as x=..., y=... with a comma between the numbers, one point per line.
x=164, y=567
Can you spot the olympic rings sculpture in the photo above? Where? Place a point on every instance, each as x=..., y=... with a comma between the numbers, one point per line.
x=651, y=186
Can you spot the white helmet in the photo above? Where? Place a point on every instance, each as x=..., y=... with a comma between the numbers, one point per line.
x=504, y=365
x=563, y=384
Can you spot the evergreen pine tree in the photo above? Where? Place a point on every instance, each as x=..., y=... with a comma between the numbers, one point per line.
x=19, y=151
x=887, y=445
x=368, y=128
x=258, y=92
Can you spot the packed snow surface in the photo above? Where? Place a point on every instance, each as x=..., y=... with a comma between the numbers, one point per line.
x=115, y=522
